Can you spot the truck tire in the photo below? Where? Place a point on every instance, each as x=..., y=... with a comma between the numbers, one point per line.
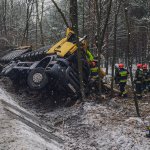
x=37, y=79
x=13, y=55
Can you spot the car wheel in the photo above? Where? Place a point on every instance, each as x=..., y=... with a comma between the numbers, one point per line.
x=37, y=78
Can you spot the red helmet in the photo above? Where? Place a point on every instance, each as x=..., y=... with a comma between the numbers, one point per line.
x=93, y=63
x=139, y=66
x=121, y=65
x=145, y=66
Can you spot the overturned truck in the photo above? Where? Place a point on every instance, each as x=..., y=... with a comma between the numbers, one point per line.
x=53, y=68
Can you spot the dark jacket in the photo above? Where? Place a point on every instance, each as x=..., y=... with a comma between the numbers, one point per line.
x=122, y=75
x=146, y=75
x=139, y=76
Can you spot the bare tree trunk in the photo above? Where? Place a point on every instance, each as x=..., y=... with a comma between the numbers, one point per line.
x=117, y=8
x=98, y=15
x=129, y=61
x=74, y=21
x=61, y=13
x=83, y=3
x=26, y=31
x=40, y=24
x=107, y=53
x=4, y=17
x=101, y=36
x=27, y=23
x=36, y=32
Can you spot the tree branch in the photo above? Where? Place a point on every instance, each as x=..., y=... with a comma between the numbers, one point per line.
x=61, y=13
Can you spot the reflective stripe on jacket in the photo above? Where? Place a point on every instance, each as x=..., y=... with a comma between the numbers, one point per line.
x=123, y=74
x=94, y=72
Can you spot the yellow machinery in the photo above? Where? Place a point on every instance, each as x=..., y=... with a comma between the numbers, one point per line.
x=68, y=46
x=55, y=67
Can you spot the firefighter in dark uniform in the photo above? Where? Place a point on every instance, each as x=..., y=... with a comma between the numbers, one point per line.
x=139, y=81
x=90, y=59
x=93, y=70
x=122, y=77
x=92, y=64
x=145, y=78
x=149, y=80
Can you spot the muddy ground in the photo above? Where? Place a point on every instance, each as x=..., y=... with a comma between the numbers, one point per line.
x=91, y=125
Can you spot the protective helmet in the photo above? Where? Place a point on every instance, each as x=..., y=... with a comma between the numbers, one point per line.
x=93, y=63
x=121, y=65
x=145, y=66
x=139, y=66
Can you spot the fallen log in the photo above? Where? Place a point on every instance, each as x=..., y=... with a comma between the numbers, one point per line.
x=108, y=86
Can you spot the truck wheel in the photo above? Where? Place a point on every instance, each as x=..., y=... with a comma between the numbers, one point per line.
x=37, y=78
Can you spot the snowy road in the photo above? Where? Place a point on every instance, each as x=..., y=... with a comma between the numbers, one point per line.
x=16, y=135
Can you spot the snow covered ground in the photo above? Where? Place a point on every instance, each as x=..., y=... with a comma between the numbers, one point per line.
x=109, y=125
x=14, y=135
x=103, y=128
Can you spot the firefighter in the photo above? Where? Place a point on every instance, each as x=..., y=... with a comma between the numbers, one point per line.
x=149, y=80
x=139, y=81
x=145, y=78
x=122, y=77
x=88, y=54
x=90, y=59
x=94, y=69
x=92, y=63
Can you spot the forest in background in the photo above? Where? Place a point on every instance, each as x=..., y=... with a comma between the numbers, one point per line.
x=122, y=27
